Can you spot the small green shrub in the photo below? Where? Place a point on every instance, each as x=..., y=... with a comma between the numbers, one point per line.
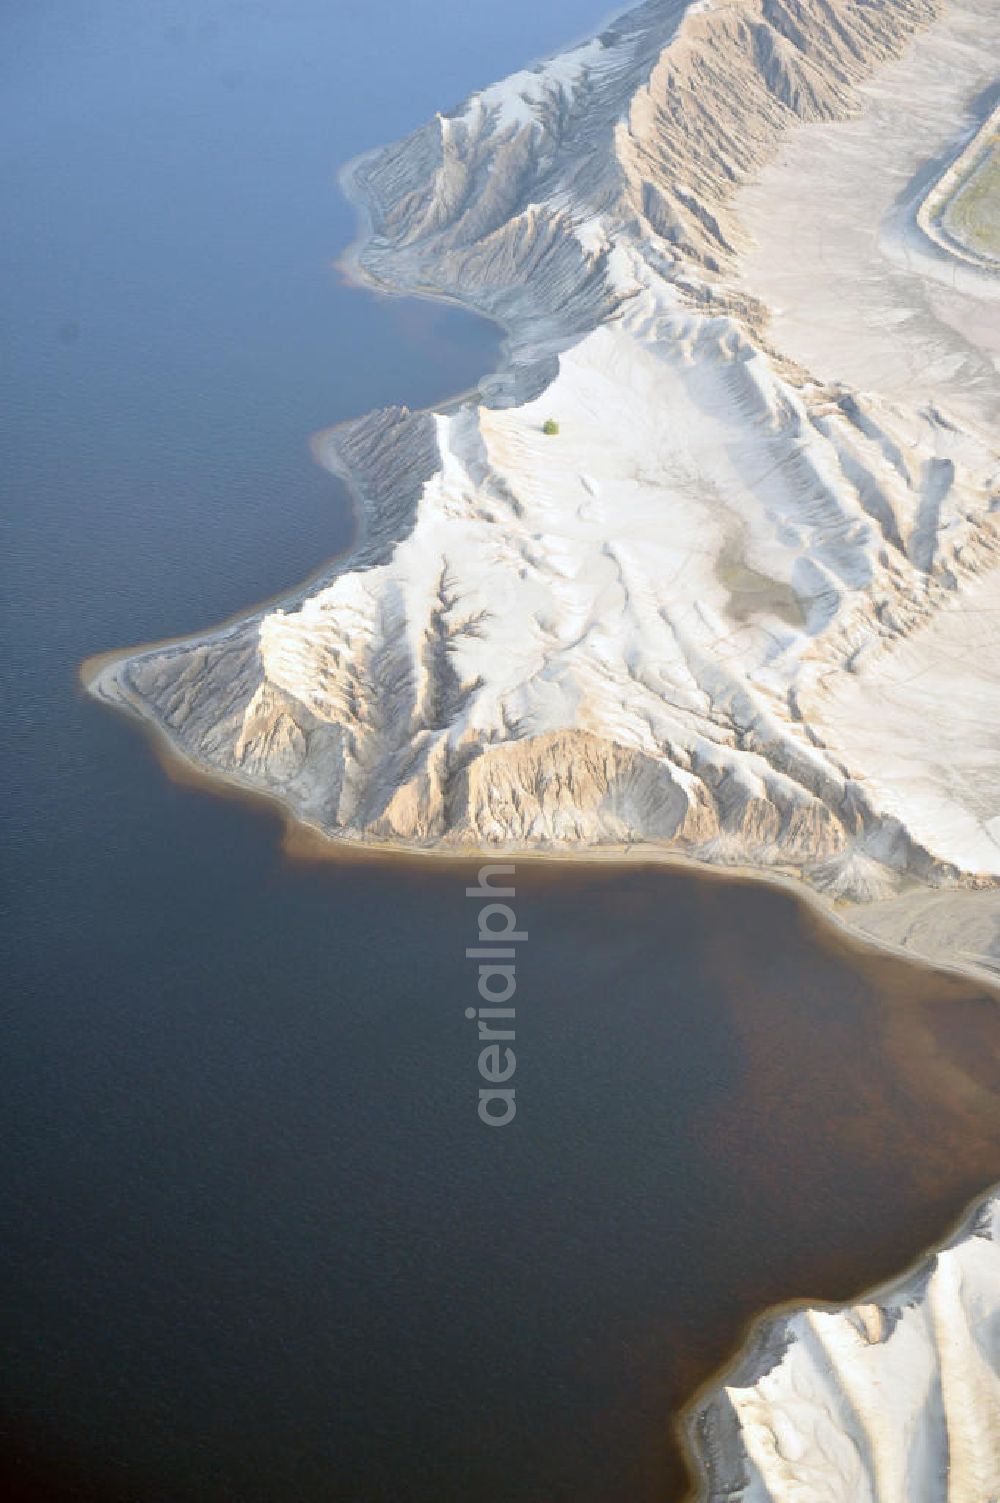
x=551, y=427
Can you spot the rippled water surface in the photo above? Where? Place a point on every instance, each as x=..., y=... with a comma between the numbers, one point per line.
x=257, y=1244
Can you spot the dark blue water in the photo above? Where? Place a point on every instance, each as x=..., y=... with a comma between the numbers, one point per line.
x=257, y=1245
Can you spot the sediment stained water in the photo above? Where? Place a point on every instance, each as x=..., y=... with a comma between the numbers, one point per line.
x=257, y=1244
x=265, y=1249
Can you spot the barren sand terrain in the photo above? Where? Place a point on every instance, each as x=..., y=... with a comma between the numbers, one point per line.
x=771, y=502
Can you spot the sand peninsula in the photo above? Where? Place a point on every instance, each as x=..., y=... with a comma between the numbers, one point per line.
x=736, y=608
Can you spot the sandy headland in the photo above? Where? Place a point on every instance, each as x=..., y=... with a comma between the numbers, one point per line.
x=737, y=609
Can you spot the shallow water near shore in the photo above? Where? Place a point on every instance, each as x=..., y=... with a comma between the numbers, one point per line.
x=258, y=1244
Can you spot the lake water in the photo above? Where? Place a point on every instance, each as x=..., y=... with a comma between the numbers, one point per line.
x=257, y=1245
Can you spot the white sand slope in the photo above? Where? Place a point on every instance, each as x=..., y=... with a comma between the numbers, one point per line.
x=896, y=1400
x=675, y=623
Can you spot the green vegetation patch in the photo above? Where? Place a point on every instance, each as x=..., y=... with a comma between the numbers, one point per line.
x=973, y=215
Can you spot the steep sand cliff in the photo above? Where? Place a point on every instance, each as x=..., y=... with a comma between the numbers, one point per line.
x=693, y=619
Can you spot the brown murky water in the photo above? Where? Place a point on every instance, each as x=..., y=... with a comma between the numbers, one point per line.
x=853, y=1111
x=254, y=1209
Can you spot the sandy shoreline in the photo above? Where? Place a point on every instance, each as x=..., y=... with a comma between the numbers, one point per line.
x=301, y=841
x=759, y=1347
